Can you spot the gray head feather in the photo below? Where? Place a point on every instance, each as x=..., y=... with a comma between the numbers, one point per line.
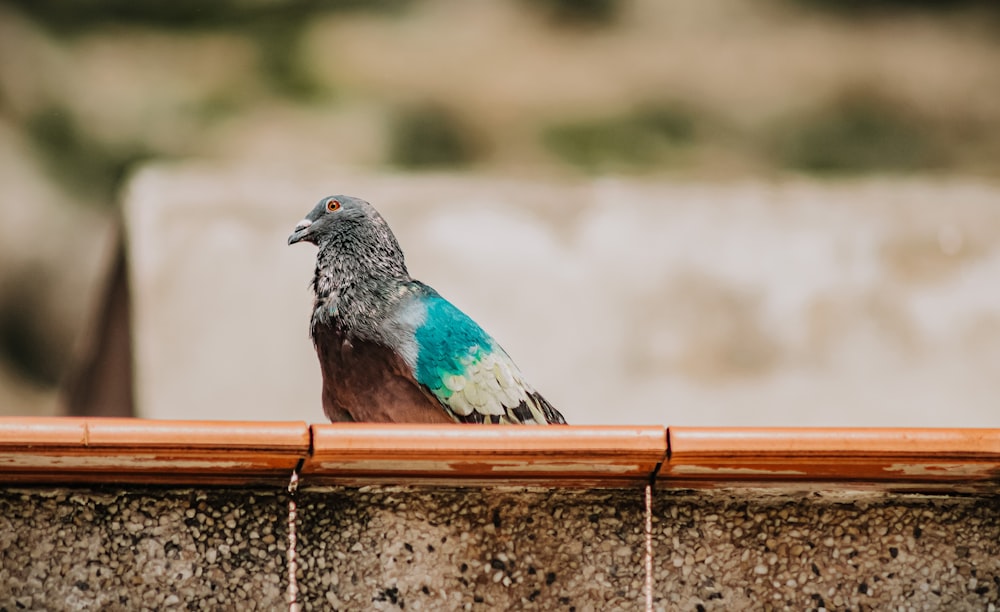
x=360, y=271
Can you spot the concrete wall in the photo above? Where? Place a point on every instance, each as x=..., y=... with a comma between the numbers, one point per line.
x=387, y=548
x=141, y=550
x=873, y=303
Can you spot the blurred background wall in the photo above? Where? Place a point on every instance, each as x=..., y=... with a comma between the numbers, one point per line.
x=648, y=101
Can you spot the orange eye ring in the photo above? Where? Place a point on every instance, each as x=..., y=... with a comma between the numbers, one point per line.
x=332, y=205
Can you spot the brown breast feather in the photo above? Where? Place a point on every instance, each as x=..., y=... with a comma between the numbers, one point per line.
x=367, y=382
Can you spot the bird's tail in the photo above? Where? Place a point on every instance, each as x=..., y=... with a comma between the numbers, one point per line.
x=552, y=416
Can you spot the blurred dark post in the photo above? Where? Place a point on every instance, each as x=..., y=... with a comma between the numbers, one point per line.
x=101, y=384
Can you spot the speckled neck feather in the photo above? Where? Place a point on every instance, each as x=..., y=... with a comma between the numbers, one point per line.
x=359, y=271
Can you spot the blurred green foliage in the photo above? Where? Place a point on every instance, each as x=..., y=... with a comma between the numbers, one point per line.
x=275, y=27
x=634, y=141
x=866, y=8
x=431, y=136
x=83, y=15
x=78, y=162
x=285, y=73
x=27, y=343
x=578, y=12
x=857, y=133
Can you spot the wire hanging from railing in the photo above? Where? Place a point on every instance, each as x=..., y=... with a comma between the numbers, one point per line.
x=292, y=555
x=649, y=548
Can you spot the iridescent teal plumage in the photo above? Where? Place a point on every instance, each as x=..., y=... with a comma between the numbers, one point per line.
x=390, y=347
x=447, y=342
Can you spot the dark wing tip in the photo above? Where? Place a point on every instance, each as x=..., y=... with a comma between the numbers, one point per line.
x=552, y=416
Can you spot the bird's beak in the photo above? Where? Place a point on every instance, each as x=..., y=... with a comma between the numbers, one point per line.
x=301, y=232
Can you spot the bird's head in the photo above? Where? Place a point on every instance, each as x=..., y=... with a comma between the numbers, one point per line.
x=335, y=216
x=356, y=248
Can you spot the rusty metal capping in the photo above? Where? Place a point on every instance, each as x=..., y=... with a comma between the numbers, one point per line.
x=956, y=459
x=580, y=455
x=111, y=450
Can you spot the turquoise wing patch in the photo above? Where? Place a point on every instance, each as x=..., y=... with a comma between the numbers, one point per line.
x=447, y=342
x=466, y=370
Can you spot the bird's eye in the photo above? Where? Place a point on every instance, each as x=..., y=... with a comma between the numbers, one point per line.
x=332, y=205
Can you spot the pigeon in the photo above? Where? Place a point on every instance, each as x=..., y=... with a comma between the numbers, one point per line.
x=390, y=348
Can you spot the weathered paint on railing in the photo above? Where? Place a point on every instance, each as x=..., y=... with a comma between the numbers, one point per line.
x=945, y=459
x=70, y=450
x=85, y=450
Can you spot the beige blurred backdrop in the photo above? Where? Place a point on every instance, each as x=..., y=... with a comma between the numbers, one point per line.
x=724, y=212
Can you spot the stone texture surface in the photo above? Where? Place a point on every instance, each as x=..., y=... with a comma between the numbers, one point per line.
x=761, y=550
x=483, y=549
x=142, y=550
x=393, y=548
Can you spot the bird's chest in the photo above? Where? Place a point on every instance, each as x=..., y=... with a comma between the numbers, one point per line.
x=341, y=316
x=336, y=296
x=353, y=314
x=329, y=307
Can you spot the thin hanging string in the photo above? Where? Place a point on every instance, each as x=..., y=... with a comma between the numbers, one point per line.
x=293, y=585
x=649, y=548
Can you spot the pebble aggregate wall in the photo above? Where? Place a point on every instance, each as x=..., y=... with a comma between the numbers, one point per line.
x=501, y=548
x=487, y=549
x=736, y=550
x=142, y=549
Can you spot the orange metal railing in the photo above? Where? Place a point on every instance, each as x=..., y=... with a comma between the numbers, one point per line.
x=87, y=450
